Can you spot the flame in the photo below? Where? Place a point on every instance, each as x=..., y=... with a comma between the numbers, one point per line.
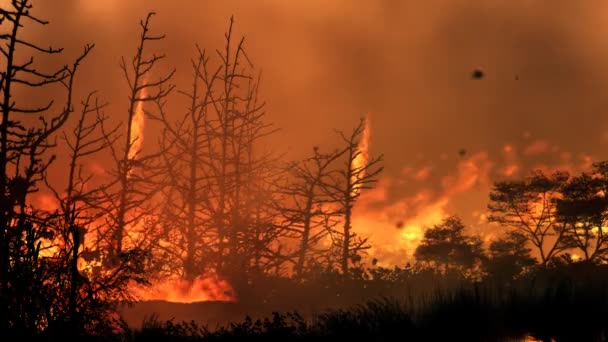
x=203, y=288
x=209, y=287
x=136, y=137
x=362, y=157
x=530, y=338
x=396, y=226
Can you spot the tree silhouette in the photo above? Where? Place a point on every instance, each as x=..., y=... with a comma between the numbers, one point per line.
x=528, y=207
x=74, y=221
x=446, y=247
x=219, y=212
x=345, y=187
x=27, y=235
x=306, y=207
x=239, y=170
x=583, y=207
x=508, y=257
x=127, y=201
x=184, y=142
x=86, y=292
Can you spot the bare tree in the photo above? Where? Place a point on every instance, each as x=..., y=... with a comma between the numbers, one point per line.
x=90, y=288
x=127, y=201
x=184, y=142
x=74, y=222
x=306, y=208
x=25, y=155
x=235, y=114
x=217, y=176
x=356, y=174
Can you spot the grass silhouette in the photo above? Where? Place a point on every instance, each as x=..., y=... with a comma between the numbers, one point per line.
x=563, y=304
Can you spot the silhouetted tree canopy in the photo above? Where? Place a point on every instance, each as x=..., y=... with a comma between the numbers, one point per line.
x=583, y=208
x=528, y=207
x=447, y=246
x=508, y=257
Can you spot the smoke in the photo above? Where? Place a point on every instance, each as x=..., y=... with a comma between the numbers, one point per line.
x=325, y=64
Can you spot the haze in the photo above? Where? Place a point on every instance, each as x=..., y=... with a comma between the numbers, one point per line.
x=407, y=63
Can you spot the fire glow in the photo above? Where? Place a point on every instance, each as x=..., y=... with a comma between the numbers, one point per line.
x=395, y=226
x=362, y=157
x=136, y=137
x=201, y=289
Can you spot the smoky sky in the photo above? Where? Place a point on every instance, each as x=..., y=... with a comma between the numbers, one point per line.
x=408, y=64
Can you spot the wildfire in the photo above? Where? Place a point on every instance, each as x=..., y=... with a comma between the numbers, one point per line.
x=362, y=157
x=136, y=137
x=177, y=290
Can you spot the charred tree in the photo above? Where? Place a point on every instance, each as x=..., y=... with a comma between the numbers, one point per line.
x=90, y=289
x=26, y=233
x=127, y=202
x=217, y=176
x=307, y=211
x=358, y=173
x=184, y=143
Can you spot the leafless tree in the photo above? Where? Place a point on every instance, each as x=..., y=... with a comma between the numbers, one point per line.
x=184, y=142
x=217, y=176
x=354, y=176
x=127, y=200
x=306, y=209
x=25, y=154
x=91, y=289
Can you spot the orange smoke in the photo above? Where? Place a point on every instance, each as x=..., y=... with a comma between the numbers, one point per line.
x=396, y=226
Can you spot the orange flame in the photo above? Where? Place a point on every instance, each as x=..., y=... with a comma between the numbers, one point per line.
x=396, y=226
x=362, y=157
x=177, y=290
x=136, y=137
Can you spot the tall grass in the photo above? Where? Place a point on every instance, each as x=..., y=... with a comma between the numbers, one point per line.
x=562, y=305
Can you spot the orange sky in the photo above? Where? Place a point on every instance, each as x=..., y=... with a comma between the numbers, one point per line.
x=327, y=63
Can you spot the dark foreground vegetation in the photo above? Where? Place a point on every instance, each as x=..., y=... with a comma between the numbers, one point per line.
x=560, y=302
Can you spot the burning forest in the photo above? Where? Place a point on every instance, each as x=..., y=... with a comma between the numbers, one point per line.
x=174, y=193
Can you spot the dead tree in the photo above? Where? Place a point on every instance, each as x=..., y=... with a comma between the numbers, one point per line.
x=357, y=173
x=90, y=288
x=72, y=226
x=233, y=168
x=184, y=142
x=306, y=209
x=225, y=147
x=128, y=197
x=253, y=224
x=218, y=213
x=25, y=154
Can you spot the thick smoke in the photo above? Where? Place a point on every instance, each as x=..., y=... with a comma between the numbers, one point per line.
x=408, y=63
